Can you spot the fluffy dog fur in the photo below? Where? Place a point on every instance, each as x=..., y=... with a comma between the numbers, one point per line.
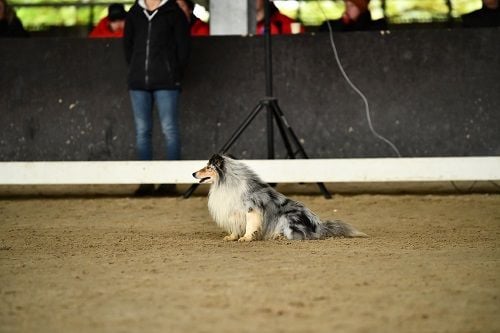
x=249, y=209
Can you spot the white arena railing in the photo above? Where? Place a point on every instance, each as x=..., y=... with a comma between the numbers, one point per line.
x=278, y=171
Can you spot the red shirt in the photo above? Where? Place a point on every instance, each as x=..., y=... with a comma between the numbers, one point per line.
x=200, y=28
x=102, y=30
x=279, y=24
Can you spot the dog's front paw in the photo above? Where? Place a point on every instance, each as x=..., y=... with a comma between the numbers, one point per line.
x=230, y=238
x=246, y=239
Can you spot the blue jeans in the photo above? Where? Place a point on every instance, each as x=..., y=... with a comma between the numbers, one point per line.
x=166, y=102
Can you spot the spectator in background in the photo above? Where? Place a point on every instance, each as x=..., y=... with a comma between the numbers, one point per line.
x=356, y=17
x=10, y=24
x=112, y=25
x=156, y=45
x=197, y=26
x=279, y=23
x=487, y=16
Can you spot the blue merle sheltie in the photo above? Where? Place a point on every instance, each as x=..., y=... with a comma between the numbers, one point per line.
x=249, y=209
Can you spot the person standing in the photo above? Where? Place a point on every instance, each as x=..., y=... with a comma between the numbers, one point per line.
x=156, y=43
x=112, y=25
x=197, y=26
x=10, y=25
x=278, y=22
x=487, y=16
x=356, y=17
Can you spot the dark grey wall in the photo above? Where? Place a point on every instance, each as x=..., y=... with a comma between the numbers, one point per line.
x=431, y=92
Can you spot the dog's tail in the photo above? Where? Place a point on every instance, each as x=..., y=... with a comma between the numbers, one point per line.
x=338, y=229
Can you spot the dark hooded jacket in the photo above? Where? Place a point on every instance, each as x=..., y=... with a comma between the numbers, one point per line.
x=156, y=46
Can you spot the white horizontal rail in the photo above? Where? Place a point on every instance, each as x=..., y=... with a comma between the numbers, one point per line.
x=280, y=171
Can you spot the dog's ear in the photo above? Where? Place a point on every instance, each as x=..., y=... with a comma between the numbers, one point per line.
x=213, y=157
x=217, y=161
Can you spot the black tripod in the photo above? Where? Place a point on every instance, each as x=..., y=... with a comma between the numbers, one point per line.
x=274, y=113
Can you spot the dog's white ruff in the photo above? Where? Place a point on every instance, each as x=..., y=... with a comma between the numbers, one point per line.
x=227, y=208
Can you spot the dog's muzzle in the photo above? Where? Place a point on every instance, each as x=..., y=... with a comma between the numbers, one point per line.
x=202, y=180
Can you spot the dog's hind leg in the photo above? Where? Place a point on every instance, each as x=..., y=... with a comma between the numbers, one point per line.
x=253, y=226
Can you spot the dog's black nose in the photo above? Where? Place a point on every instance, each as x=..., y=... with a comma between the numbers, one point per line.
x=194, y=174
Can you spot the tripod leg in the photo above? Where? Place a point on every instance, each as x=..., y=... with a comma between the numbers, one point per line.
x=282, y=123
x=282, y=130
x=190, y=191
x=231, y=141
x=270, y=132
x=241, y=128
x=281, y=118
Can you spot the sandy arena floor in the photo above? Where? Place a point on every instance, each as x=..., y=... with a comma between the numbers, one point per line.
x=118, y=264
